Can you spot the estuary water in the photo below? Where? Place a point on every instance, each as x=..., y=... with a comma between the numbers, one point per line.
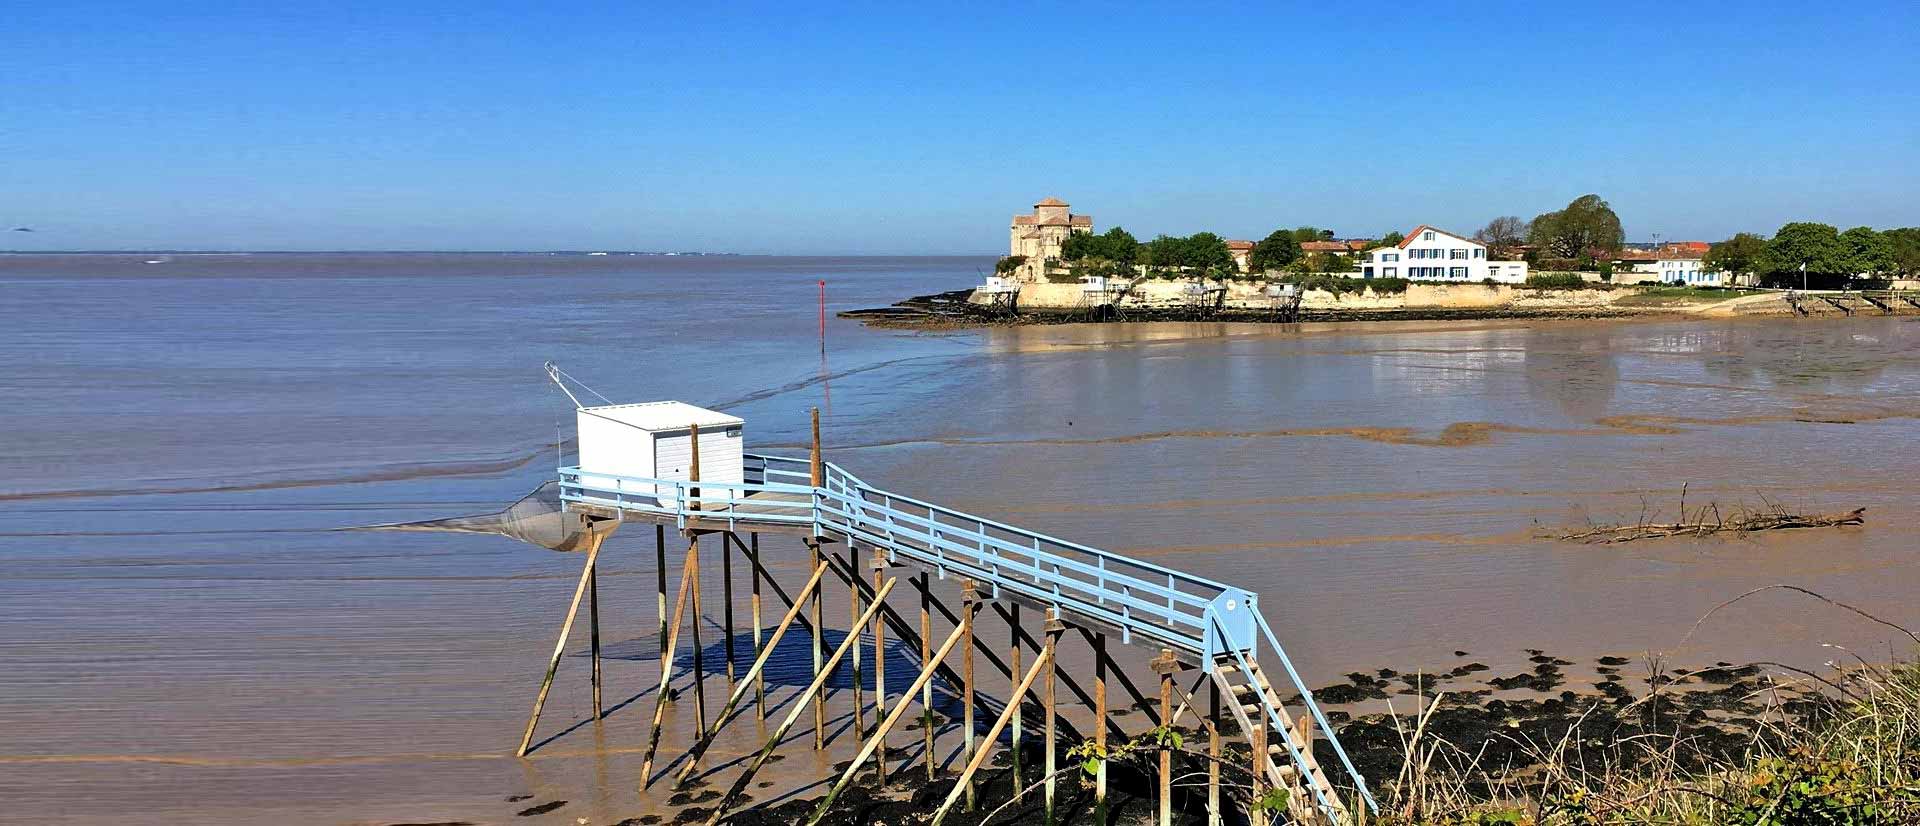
x=187, y=635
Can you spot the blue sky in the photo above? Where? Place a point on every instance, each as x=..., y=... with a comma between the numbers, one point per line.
x=889, y=128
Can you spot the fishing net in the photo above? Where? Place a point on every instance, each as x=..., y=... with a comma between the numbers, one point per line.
x=538, y=518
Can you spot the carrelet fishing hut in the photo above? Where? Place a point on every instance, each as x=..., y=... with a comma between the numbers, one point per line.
x=632, y=447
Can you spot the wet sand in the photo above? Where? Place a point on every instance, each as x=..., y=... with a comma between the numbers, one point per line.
x=187, y=637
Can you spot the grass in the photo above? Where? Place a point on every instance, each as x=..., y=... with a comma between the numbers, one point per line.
x=1670, y=296
x=1852, y=759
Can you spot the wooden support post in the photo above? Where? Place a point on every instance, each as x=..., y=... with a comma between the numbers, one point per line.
x=853, y=630
x=666, y=676
x=593, y=624
x=1100, y=727
x=699, y=654
x=926, y=687
x=1213, y=755
x=740, y=784
x=1054, y=628
x=1258, y=739
x=879, y=668
x=726, y=599
x=1139, y=699
x=969, y=608
x=1066, y=678
x=1012, y=712
x=924, y=679
x=660, y=574
x=1165, y=665
x=759, y=681
x=1016, y=700
x=754, y=673
x=560, y=647
x=817, y=477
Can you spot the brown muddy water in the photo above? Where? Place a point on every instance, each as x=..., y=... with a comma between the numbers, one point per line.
x=186, y=637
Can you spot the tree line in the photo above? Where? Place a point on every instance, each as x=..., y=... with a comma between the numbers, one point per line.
x=1828, y=255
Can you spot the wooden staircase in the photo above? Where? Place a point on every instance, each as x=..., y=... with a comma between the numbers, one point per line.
x=1283, y=745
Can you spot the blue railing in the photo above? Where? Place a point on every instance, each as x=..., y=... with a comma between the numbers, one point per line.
x=1215, y=624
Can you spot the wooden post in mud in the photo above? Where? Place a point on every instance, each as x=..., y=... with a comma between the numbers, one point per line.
x=1258, y=739
x=666, y=673
x=759, y=681
x=660, y=574
x=969, y=608
x=726, y=600
x=1164, y=665
x=593, y=625
x=920, y=682
x=817, y=477
x=879, y=669
x=1213, y=754
x=766, y=752
x=926, y=687
x=1054, y=629
x=754, y=672
x=1012, y=712
x=693, y=565
x=560, y=647
x=1100, y=727
x=1017, y=699
x=853, y=630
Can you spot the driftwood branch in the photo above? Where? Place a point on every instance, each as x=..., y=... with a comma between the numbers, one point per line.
x=1709, y=519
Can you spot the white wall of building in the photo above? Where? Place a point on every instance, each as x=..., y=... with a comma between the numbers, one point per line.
x=1433, y=255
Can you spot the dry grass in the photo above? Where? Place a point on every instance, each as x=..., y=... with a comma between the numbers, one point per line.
x=1852, y=758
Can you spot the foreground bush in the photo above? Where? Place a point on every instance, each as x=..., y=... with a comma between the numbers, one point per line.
x=1556, y=281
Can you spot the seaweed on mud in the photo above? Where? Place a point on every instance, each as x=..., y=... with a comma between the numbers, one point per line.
x=541, y=809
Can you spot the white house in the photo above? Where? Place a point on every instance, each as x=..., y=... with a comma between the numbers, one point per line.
x=1668, y=265
x=1429, y=254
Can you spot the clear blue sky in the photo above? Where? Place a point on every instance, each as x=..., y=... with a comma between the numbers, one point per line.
x=890, y=128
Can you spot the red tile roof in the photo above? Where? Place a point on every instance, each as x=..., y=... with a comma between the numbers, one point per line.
x=1415, y=234
x=1239, y=245
x=1051, y=202
x=1325, y=246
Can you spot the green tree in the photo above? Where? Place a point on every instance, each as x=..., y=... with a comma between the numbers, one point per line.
x=1208, y=252
x=1817, y=246
x=1738, y=255
x=1008, y=264
x=1392, y=239
x=1312, y=234
x=1115, y=245
x=1275, y=252
x=1868, y=252
x=1586, y=227
x=1903, y=250
x=1335, y=262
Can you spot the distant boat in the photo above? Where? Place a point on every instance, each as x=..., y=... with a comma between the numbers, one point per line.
x=161, y=260
x=596, y=253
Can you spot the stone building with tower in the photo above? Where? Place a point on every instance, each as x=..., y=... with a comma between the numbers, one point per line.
x=1039, y=236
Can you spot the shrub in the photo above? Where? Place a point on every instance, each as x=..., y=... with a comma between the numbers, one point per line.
x=1009, y=264
x=1556, y=281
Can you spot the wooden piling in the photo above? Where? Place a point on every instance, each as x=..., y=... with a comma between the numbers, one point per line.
x=1017, y=699
x=817, y=477
x=879, y=669
x=593, y=624
x=759, y=681
x=754, y=673
x=969, y=608
x=1165, y=665
x=1054, y=629
x=1213, y=755
x=926, y=687
x=726, y=599
x=560, y=647
x=1012, y=712
x=666, y=674
x=740, y=784
x=1258, y=739
x=1100, y=726
x=853, y=630
x=920, y=682
x=693, y=566
x=660, y=575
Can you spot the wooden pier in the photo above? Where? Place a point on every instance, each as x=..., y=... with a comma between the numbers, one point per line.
x=930, y=568
x=1850, y=302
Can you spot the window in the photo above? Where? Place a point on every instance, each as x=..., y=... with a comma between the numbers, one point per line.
x=1389, y=256
x=1392, y=271
x=1427, y=236
x=1459, y=272
x=1479, y=253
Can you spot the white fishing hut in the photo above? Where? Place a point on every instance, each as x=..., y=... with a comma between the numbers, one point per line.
x=654, y=440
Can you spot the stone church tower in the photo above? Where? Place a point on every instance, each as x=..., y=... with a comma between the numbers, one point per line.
x=1039, y=236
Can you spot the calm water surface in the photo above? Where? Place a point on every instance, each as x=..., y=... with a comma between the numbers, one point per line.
x=186, y=636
